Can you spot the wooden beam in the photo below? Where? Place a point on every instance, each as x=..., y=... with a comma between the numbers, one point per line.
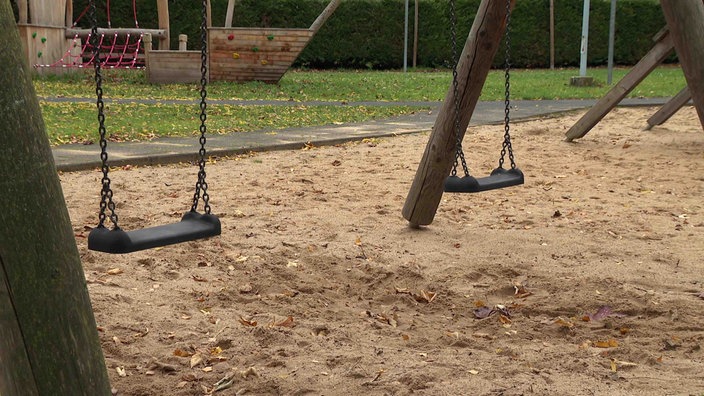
x=162, y=7
x=69, y=13
x=479, y=51
x=23, y=11
x=663, y=47
x=323, y=17
x=83, y=33
x=230, y=13
x=685, y=21
x=669, y=109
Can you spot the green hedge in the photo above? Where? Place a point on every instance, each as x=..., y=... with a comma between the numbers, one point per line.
x=369, y=33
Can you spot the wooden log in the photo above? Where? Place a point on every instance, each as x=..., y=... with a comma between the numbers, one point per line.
x=669, y=109
x=479, y=51
x=84, y=33
x=162, y=7
x=663, y=47
x=685, y=21
x=41, y=268
x=323, y=17
x=230, y=13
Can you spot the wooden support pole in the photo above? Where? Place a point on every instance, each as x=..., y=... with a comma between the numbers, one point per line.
x=663, y=47
x=323, y=17
x=479, y=51
x=230, y=13
x=686, y=22
x=47, y=325
x=69, y=13
x=669, y=109
x=162, y=7
x=182, y=42
x=23, y=11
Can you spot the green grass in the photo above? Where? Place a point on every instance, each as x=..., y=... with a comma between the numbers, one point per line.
x=77, y=122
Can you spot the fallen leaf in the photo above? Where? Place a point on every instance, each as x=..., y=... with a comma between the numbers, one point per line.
x=566, y=323
x=426, y=296
x=610, y=343
x=198, y=278
x=288, y=322
x=248, y=322
x=181, y=353
x=483, y=312
x=196, y=360
x=121, y=371
x=115, y=271
x=474, y=372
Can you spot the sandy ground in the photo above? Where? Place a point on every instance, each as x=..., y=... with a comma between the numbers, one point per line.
x=587, y=280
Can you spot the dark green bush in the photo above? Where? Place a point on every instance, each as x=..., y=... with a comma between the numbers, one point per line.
x=369, y=33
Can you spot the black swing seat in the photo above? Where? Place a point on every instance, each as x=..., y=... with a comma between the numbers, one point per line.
x=192, y=226
x=499, y=178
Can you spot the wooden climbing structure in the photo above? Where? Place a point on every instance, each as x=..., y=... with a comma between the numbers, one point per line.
x=237, y=53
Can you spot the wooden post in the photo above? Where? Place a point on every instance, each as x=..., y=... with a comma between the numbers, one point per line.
x=552, y=34
x=323, y=17
x=162, y=7
x=230, y=13
x=479, y=51
x=208, y=14
x=669, y=109
x=69, y=13
x=182, y=42
x=685, y=21
x=640, y=71
x=50, y=343
x=23, y=11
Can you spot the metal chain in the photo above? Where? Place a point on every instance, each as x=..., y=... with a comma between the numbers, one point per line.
x=507, y=72
x=106, y=202
x=459, y=154
x=201, y=184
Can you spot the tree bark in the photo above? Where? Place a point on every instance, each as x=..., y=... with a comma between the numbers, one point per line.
x=48, y=328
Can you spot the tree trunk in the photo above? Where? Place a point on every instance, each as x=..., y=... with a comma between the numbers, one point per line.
x=50, y=343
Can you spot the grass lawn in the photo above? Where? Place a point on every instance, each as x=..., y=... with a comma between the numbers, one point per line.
x=76, y=122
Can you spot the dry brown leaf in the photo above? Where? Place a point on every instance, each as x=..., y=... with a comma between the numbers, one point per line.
x=564, y=323
x=181, y=353
x=196, y=360
x=115, y=271
x=288, y=322
x=610, y=343
x=248, y=322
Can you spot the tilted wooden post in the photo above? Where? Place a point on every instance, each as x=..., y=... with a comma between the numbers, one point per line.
x=686, y=21
x=49, y=342
x=324, y=16
x=230, y=13
x=662, y=48
x=669, y=109
x=479, y=51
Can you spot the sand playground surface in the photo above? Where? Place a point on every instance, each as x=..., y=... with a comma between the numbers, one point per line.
x=587, y=280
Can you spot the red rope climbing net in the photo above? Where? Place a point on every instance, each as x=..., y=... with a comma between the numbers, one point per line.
x=117, y=50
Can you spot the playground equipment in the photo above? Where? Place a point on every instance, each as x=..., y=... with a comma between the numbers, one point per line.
x=193, y=225
x=53, y=43
x=236, y=54
x=683, y=33
x=499, y=177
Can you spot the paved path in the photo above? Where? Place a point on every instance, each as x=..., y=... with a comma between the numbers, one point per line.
x=74, y=157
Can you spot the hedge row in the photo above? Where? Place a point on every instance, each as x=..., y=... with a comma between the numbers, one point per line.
x=369, y=33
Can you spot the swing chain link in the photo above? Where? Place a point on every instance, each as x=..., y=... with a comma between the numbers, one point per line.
x=507, y=101
x=202, y=184
x=459, y=153
x=106, y=194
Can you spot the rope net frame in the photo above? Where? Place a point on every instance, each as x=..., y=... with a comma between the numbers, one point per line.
x=117, y=51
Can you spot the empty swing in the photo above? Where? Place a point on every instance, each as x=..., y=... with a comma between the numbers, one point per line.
x=193, y=225
x=499, y=177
